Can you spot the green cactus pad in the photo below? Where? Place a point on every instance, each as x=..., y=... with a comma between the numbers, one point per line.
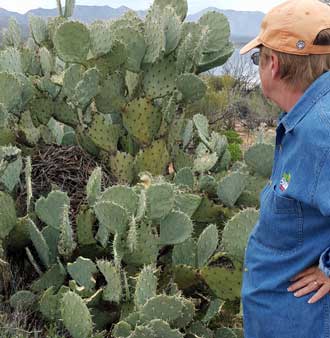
x=11, y=91
x=191, y=86
x=146, y=286
x=66, y=243
x=102, y=39
x=146, y=250
x=49, y=209
x=13, y=35
x=225, y=282
x=23, y=300
x=154, y=36
x=38, y=27
x=172, y=29
x=64, y=113
x=218, y=31
x=72, y=42
x=163, y=307
x=207, y=184
x=231, y=187
x=39, y=243
x=188, y=134
x=185, y=253
x=205, y=163
x=236, y=232
x=10, y=176
x=186, y=315
x=218, y=143
x=87, y=88
x=104, y=134
x=113, y=289
x=202, y=125
x=112, y=216
x=85, y=222
x=124, y=196
x=184, y=178
x=47, y=61
x=93, y=188
x=163, y=329
x=198, y=329
x=51, y=236
x=112, y=96
x=73, y=307
x=136, y=47
x=49, y=304
x=165, y=70
x=207, y=244
x=185, y=276
x=121, y=330
x=122, y=167
x=42, y=110
x=142, y=120
x=10, y=61
x=260, y=158
x=82, y=271
x=160, y=200
x=187, y=203
x=72, y=76
x=180, y=7
x=55, y=277
x=142, y=332
x=153, y=159
x=175, y=228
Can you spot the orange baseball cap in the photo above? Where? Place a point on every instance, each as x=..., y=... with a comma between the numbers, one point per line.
x=292, y=27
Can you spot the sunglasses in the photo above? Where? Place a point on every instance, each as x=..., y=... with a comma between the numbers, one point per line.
x=255, y=57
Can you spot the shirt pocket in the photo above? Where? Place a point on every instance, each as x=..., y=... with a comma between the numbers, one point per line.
x=280, y=227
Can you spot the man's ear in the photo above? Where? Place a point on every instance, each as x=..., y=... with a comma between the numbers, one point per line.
x=275, y=64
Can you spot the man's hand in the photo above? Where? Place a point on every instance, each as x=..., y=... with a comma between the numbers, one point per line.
x=309, y=280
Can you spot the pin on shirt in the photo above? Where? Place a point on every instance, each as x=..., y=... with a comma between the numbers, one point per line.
x=284, y=184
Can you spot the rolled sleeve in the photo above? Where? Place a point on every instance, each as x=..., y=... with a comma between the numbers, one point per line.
x=324, y=262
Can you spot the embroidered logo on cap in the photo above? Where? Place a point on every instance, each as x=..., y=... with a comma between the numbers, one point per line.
x=301, y=44
x=284, y=184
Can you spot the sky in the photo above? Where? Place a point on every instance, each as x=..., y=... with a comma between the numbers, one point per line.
x=22, y=6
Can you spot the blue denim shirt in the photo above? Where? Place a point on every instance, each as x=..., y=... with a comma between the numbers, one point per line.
x=293, y=230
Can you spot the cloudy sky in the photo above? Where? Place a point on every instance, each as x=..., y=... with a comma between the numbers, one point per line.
x=23, y=6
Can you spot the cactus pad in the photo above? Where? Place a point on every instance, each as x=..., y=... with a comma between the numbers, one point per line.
x=236, y=232
x=146, y=287
x=160, y=200
x=73, y=307
x=82, y=271
x=207, y=244
x=175, y=228
x=142, y=120
x=72, y=42
x=49, y=209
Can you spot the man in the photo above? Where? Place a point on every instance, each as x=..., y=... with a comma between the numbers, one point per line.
x=286, y=284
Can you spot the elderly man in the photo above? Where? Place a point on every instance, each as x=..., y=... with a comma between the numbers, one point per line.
x=286, y=284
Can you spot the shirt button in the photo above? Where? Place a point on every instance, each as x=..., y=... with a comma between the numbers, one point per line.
x=270, y=182
x=246, y=269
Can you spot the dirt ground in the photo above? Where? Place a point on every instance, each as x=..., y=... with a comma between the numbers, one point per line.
x=249, y=136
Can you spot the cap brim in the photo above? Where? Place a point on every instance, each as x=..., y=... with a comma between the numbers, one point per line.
x=252, y=44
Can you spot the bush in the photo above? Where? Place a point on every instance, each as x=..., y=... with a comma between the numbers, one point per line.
x=235, y=151
x=233, y=136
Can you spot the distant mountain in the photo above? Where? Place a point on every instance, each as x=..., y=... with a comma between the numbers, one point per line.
x=244, y=25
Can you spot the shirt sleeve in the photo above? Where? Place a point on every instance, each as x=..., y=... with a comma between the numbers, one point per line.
x=321, y=194
x=321, y=200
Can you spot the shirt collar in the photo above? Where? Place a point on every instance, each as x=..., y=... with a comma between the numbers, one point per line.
x=316, y=90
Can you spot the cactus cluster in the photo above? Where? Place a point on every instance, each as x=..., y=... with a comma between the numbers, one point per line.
x=119, y=90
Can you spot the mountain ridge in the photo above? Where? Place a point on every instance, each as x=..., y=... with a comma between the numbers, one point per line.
x=244, y=24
